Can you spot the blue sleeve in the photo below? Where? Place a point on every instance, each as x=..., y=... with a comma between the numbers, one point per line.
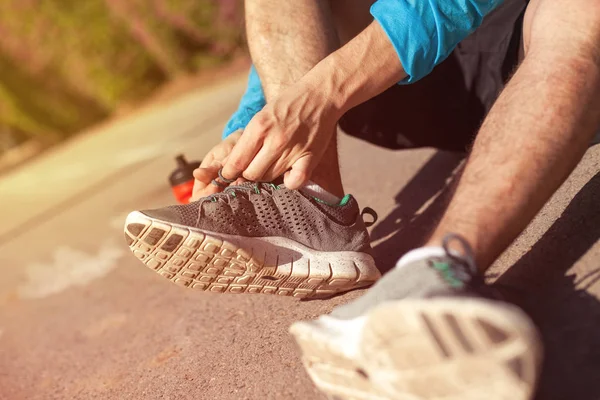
x=424, y=32
x=252, y=102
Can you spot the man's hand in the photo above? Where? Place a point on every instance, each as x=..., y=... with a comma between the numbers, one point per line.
x=210, y=166
x=289, y=135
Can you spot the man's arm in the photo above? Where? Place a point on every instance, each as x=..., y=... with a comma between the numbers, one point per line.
x=292, y=131
x=363, y=68
x=407, y=40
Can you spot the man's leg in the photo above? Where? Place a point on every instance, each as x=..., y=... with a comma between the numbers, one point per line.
x=536, y=132
x=429, y=329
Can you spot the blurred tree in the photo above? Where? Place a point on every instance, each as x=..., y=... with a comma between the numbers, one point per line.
x=66, y=64
x=130, y=14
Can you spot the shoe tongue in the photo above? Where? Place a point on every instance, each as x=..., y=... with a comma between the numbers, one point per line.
x=253, y=186
x=246, y=184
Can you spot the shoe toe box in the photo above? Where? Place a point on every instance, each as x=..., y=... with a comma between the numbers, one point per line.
x=178, y=214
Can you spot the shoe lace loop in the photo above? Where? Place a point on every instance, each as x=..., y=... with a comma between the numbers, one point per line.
x=464, y=256
x=372, y=213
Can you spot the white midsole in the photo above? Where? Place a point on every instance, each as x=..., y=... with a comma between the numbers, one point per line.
x=290, y=255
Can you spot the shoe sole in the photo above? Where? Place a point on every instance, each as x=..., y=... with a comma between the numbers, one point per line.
x=416, y=349
x=234, y=264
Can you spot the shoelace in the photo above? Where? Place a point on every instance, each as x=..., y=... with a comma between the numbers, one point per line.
x=230, y=192
x=225, y=182
x=270, y=187
x=249, y=187
x=229, y=189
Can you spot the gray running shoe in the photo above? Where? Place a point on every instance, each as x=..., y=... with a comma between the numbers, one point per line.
x=257, y=238
x=424, y=331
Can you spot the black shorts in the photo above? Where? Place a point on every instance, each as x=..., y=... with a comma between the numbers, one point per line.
x=446, y=108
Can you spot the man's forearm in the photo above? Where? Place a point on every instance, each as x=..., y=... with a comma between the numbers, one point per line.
x=285, y=48
x=363, y=68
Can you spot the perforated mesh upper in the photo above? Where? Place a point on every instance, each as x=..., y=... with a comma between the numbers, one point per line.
x=275, y=213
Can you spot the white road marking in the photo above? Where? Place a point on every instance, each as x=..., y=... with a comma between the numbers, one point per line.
x=70, y=267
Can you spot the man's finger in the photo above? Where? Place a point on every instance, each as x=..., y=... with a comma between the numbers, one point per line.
x=260, y=164
x=300, y=172
x=277, y=169
x=201, y=190
x=207, y=160
x=205, y=175
x=243, y=152
x=202, y=181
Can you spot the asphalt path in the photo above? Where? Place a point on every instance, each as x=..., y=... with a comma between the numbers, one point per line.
x=81, y=318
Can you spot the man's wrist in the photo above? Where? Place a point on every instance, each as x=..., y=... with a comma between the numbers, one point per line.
x=338, y=82
x=324, y=81
x=360, y=70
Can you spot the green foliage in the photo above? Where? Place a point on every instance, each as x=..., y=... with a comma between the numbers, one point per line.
x=66, y=64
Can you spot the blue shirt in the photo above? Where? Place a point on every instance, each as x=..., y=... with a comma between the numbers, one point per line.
x=423, y=33
x=252, y=102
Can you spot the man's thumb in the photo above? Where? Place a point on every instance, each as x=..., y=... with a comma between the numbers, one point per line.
x=300, y=173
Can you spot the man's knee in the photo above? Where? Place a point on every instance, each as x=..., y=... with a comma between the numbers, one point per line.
x=563, y=29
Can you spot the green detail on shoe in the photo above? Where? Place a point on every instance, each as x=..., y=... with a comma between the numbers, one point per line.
x=342, y=202
x=256, y=189
x=274, y=186
x=448, y=274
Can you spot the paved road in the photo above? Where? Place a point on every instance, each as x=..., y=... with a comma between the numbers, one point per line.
x=80, y=318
